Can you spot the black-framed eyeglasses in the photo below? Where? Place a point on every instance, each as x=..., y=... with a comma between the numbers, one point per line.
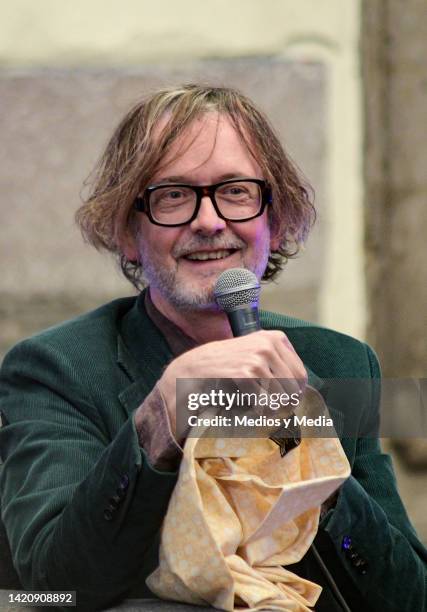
x=177, y=204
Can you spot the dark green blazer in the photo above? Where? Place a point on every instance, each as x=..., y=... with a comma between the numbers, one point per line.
x=82, y=506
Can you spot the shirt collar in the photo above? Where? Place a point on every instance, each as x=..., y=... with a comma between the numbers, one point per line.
x=177, y=340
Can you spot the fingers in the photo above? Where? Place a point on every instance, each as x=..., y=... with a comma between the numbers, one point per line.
x=264, y=355
x=259, y=375
x=281, y=361
x=288, y=355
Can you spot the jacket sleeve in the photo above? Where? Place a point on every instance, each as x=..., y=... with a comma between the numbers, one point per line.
x=371, y=531
x=82, y=508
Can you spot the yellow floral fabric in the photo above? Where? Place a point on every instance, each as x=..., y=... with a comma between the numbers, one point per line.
x=238, y=514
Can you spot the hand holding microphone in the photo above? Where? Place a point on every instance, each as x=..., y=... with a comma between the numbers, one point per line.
x=262, y=354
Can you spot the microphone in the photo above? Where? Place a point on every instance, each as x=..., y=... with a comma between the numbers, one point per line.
x=237, y=293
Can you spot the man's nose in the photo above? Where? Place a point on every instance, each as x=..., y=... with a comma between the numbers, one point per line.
x=207, y=221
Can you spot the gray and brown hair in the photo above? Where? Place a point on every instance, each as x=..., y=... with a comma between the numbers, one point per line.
x=134, y=154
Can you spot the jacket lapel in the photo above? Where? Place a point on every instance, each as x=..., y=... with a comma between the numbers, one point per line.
x=142, y=353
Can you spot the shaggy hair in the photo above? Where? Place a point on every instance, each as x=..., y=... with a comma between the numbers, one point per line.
x=134, y=154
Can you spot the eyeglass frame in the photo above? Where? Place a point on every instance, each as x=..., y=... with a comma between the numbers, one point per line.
x=142, y=203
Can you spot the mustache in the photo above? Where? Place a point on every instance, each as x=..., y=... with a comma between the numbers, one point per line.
x=212, y=243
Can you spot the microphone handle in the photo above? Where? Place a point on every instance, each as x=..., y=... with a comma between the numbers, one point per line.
x=244, y=320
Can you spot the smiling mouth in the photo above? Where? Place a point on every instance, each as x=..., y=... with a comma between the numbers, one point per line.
x=210, y=255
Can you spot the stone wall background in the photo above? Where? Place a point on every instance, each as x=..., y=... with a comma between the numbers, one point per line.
x=394, y=52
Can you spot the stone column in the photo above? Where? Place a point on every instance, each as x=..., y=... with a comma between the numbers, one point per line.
x=394, y=52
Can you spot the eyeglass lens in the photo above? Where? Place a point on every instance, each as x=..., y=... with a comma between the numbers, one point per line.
x=176, y=204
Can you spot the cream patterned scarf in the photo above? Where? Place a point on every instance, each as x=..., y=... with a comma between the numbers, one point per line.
x=238, y=514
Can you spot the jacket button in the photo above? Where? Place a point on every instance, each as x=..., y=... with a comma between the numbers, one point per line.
x=114, y=502
x=123, y=485
x=361, y=566
x=346, y=543
x=108, y=514
x=353, y=556
x=124, y=482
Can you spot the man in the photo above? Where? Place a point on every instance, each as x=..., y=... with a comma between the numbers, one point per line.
x=193, y=182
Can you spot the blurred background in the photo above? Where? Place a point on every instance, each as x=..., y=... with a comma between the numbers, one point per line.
x=344, y=83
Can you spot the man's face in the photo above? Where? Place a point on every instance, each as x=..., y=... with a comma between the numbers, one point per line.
x=169, y=254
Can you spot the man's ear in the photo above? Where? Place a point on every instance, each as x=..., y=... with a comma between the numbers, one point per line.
x=129, y=247
x=275, y=240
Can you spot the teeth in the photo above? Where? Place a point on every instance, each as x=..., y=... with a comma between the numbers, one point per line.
x=212, y=255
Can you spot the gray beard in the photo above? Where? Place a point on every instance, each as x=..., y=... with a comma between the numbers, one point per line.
x=183, y=296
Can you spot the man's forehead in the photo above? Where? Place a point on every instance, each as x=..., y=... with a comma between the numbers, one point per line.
x=192, y=129
x=201, y=136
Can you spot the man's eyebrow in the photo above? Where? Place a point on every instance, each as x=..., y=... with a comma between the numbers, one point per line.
x=186, y=179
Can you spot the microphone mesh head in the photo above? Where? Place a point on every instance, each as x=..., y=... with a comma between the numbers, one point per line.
x=235, y=288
